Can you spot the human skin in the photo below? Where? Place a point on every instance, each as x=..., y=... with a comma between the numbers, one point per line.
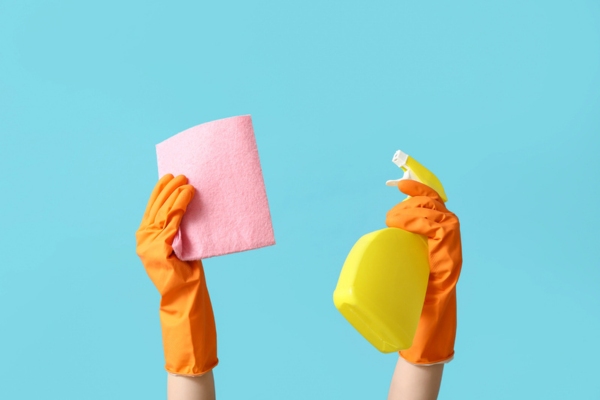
x=415, y=382
x=191, y=387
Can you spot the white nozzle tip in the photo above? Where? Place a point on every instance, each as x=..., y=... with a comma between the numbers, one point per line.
x=400, y=158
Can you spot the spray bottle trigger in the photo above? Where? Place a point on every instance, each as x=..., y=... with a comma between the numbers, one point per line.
x=408, y=174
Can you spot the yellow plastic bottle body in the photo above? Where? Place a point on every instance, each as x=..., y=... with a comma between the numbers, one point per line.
x=426, y=176
x=382, y=287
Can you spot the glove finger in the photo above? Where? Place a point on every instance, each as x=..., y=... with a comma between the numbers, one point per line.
x=162, y=182
x=422, y=221
x=423, y=212
x=414, y=188
x=164, y=194
x=172, y=213
x=178, y=200
x=177, y=210
x=421, y=202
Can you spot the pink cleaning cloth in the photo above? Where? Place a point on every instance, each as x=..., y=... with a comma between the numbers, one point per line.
x=229, y=211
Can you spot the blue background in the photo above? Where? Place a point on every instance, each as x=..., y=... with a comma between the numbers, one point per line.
x=499, y=99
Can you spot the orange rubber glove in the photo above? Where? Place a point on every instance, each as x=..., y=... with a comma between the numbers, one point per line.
x=186, y=315
x=425, y=214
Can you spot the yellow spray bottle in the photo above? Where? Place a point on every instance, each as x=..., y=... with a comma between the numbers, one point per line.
x=382, y=285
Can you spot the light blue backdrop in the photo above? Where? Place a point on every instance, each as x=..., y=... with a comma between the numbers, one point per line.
x=500, y=99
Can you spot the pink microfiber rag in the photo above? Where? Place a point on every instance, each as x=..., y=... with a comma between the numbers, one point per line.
x=229, y=212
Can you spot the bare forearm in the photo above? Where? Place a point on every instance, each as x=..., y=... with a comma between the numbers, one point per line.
x=414, y=382
x=191, y=387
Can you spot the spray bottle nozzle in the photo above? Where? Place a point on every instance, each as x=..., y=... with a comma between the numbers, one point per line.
x=400, y=158
x=417, y=172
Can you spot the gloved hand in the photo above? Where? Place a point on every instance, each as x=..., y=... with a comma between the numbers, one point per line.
x=186, y=315
x=425, y=213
